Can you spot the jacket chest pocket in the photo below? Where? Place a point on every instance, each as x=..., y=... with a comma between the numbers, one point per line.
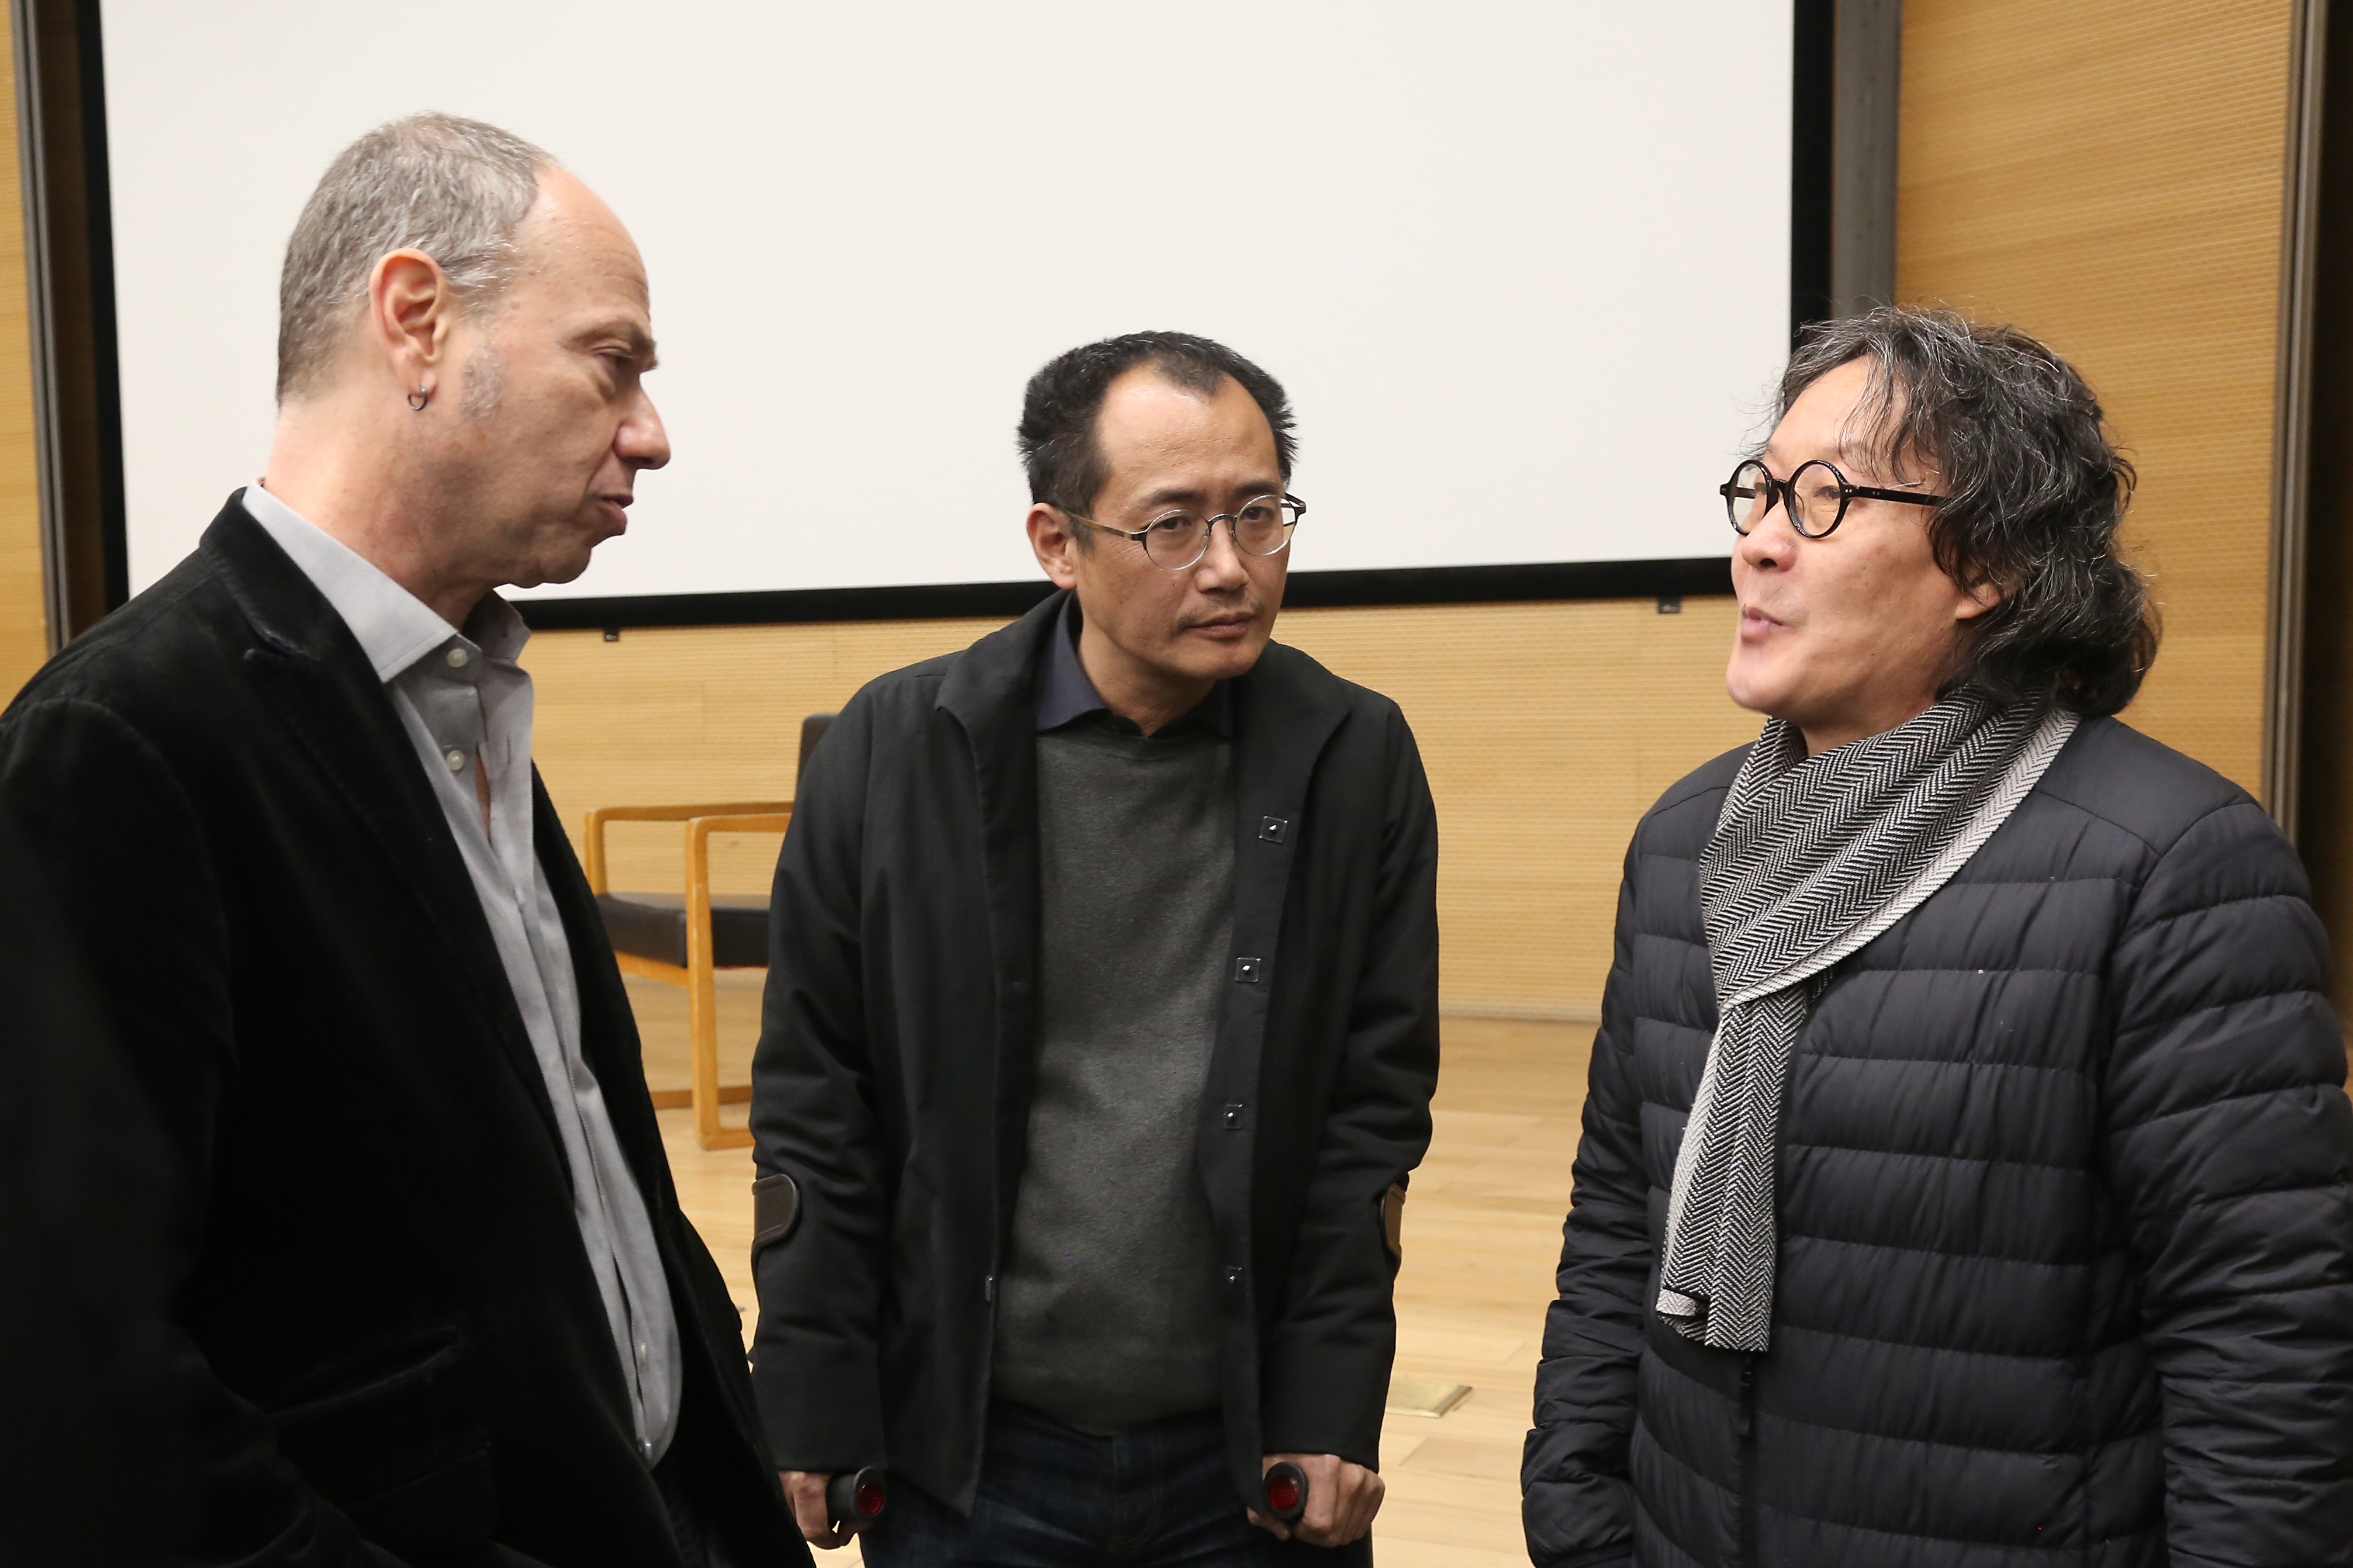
x=399, y=1444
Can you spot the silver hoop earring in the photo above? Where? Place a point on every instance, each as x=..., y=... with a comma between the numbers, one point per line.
x=420, y=398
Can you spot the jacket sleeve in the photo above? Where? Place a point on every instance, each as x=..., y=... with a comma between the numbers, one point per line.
x=2228, y=1144
x=1576, y=1501
x=112, y=833
x=815, y=1353
x=1327, y=1359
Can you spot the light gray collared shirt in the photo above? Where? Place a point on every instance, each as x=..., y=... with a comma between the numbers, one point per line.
x=467, y=706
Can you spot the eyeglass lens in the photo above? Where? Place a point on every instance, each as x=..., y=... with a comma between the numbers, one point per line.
x=1817, y=493
x=1262, y=526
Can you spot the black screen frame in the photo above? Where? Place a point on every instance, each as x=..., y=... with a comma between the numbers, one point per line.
x=68, y=228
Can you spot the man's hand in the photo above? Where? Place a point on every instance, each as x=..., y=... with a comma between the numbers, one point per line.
x=804, y=1489
x=1342, y=1498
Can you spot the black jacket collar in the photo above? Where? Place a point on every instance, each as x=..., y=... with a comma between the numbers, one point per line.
x=286, y=610
x=313, y=669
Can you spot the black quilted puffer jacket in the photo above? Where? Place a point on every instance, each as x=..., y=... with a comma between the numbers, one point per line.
x=2066, y=1247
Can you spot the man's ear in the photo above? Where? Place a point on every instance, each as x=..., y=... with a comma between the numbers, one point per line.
x=1980, y=600
x=1055, y=540
x=411, y=310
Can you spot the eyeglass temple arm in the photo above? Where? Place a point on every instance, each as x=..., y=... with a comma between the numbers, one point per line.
x=1913, y=498
x=1105, y=528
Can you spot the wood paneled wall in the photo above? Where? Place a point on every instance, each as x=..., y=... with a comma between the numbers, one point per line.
x=2109, y=175
x=1546, y=729
x=24, y=617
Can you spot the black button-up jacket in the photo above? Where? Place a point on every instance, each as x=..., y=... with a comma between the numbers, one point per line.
x=894, y=1077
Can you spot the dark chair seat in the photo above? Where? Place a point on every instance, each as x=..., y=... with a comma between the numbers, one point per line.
x=653, y=925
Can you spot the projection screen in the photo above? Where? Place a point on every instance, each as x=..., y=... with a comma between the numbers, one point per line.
x=1524, y=265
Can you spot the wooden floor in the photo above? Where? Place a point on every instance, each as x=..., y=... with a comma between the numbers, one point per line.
x=1482, y=1234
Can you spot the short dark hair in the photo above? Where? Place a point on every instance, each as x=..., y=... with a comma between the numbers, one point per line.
x=1057, y=437
x=2037, y=490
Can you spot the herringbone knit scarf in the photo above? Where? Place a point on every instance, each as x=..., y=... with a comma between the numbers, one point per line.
x=1811, y=859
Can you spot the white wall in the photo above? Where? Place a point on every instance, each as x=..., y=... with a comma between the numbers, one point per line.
x=1523, y=264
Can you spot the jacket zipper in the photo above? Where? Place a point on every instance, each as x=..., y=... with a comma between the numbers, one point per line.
x=1747, y=1432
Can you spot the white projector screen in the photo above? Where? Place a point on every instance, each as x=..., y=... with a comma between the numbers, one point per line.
x=1524, y=265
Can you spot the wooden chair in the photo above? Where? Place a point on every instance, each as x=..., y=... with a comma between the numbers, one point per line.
x=685, y=938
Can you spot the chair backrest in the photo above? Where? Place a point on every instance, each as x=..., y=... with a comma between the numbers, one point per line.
x=813, y=729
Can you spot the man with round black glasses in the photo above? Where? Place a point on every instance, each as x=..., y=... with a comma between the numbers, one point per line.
x=1966, y=1175
x=1100, y=1031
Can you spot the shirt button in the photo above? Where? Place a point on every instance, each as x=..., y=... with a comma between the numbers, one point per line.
x=457, y=657
x=455, y=758
x=641, y=1352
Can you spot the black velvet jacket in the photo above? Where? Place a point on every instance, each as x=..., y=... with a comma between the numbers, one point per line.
x=893, y=1076
x=399, y=1352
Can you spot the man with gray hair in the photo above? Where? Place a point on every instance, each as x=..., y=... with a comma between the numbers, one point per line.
x=435, y=1299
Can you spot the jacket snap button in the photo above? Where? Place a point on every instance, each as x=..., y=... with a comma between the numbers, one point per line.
x=1246, y=971
x=1272, y=829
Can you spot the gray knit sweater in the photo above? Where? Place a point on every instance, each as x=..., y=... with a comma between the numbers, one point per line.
x=1107, y=1313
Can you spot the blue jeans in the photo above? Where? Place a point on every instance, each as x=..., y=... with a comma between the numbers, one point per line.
x=1157, y=1497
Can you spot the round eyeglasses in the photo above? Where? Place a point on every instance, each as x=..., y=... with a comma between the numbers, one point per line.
x=1176, y=541
x=1816, y=496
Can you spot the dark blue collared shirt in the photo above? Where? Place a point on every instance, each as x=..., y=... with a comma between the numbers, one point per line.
x=1065, y=694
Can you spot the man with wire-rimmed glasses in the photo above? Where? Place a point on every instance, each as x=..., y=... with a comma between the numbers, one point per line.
x=1100, y=1031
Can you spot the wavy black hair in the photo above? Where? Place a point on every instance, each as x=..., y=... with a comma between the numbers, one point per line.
x=1057, y=435
x=2037, y=490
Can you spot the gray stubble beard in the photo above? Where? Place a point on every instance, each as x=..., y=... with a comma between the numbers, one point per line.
x=486, y=382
